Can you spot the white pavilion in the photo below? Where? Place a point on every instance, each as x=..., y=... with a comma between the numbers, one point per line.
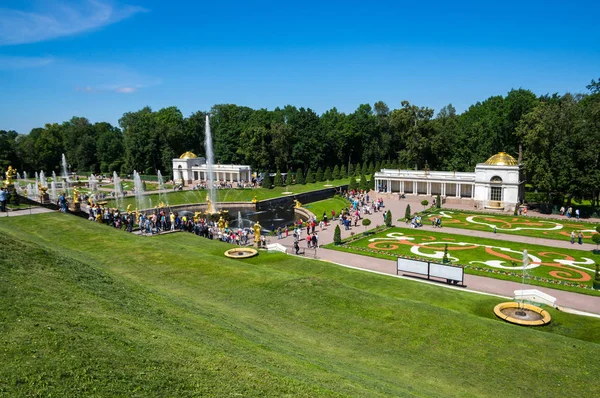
x=189, y=168
x=496, y=184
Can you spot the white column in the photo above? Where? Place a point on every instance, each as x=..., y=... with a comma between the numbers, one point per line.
x=401, y=186
x=444, y=189
x=428, y=188
x=415, y=185
x=389, y=186
x=458, y=190
x=473, y=191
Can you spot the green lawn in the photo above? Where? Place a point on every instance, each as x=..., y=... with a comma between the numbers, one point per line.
x=89, y=310
x=337, y=203
x=515, y=225
x=566, y=269
x=236, y=195
x=129, y=185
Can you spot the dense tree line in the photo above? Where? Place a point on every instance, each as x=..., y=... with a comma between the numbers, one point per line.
x=556, y=137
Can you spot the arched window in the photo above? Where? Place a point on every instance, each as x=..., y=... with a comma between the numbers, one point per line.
x=495, y=190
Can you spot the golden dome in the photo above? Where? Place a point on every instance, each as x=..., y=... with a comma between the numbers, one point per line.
x=502, y=159
x=188, y=155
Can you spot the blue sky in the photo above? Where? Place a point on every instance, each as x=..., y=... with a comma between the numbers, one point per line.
x=101, y=58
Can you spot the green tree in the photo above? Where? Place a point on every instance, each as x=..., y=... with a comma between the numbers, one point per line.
x=289, y=178
x=352, y=185
x=366, y=222
x=327, y=174
x=336, y=172
x=424, y=203
x=278, y=181
x=319, y=175
x=350, y=170
x=300, y=177
x=337, y=235
x=364, y=184
x=343, y=173
x=438, y=201
x=357, y=169
x=388, y=218
x=408, y=213
x=267, y=183
x=310, y=177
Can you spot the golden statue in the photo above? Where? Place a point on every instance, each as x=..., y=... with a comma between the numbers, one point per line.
x=254, y=200
x=257, y=228
x=221, y=223
x=129, y=208
x=210, y=209
x=297, y=204
x=10, y=175
x=42, y=189
x=161, y=205
x=75, y=195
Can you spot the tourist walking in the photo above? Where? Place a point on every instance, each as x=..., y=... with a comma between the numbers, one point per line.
x=3, y=197
x=580, y=238
x=572, y=237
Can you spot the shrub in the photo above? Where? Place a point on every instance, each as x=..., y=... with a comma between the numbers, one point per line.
x=364, y=184
x=597, y=278
x=388, y=218
x=407, y=213
x=327, y=174
x=319, y=175
x=310, y=177
x=289, y=179
x=266, y=183
x=596, y=240
x=438, y=201
x=336, y=172
x=424, y=203
x=350, y=170
x=343, y=173
x=445, y=259
x=366, y=222
x=337, y=235
x=352, y=186
x=278, y=181
x=300, y=177
x=357, y=169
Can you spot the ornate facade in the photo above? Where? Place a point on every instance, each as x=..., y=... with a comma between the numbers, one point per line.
x=189, y=168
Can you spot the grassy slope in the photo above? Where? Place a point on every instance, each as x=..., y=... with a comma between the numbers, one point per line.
x=336, y=203
x=478, y=254
x=87, y=309
x=238, y=195
x=509, y=222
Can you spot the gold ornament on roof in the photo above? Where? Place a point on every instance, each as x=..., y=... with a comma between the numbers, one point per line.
x=502, y=159
x=188, y=155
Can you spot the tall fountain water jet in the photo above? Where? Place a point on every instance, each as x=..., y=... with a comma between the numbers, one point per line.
x=139, y=191
x=43, y=180
x=210, y=160
x=53, y=194
x=24, y=175
x=162, y=196
x=65, y=175
x=117, y=190
x=36, y=187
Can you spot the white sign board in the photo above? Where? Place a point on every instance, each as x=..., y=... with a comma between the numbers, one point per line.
x=446, y=271
x=414, y=266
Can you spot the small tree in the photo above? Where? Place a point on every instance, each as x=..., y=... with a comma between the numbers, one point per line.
x=310, y=177
x=372, y=181
x=366, y=222
x=352, y=186
x=278, y=180
x=350, y=170
x=596, y=240
x=445, y=259
x=319, y=175
x=364, y=184
x=388, y=218
x=371, y=168
x=357, y=169
x=438, y=201
x=424, y=203
x=597, y=278
x=289, y=179
x=343, y=172
x=408, y=213
x=300, y=176
x=266, y=183
x=337, y=235
x=336, y=172
x=327, y=174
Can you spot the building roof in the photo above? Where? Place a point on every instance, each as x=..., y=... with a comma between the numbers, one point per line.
x=188, y=155
x=502, y=159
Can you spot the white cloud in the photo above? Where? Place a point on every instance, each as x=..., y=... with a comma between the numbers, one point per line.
x=15, y=62
x=126, y=90
x=60, y=19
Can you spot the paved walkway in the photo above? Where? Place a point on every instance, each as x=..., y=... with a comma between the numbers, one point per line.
x=500, y=287
x=25, y=212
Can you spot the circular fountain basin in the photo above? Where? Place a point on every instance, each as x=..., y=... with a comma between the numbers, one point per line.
x=241, y=252
x=522, y=314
